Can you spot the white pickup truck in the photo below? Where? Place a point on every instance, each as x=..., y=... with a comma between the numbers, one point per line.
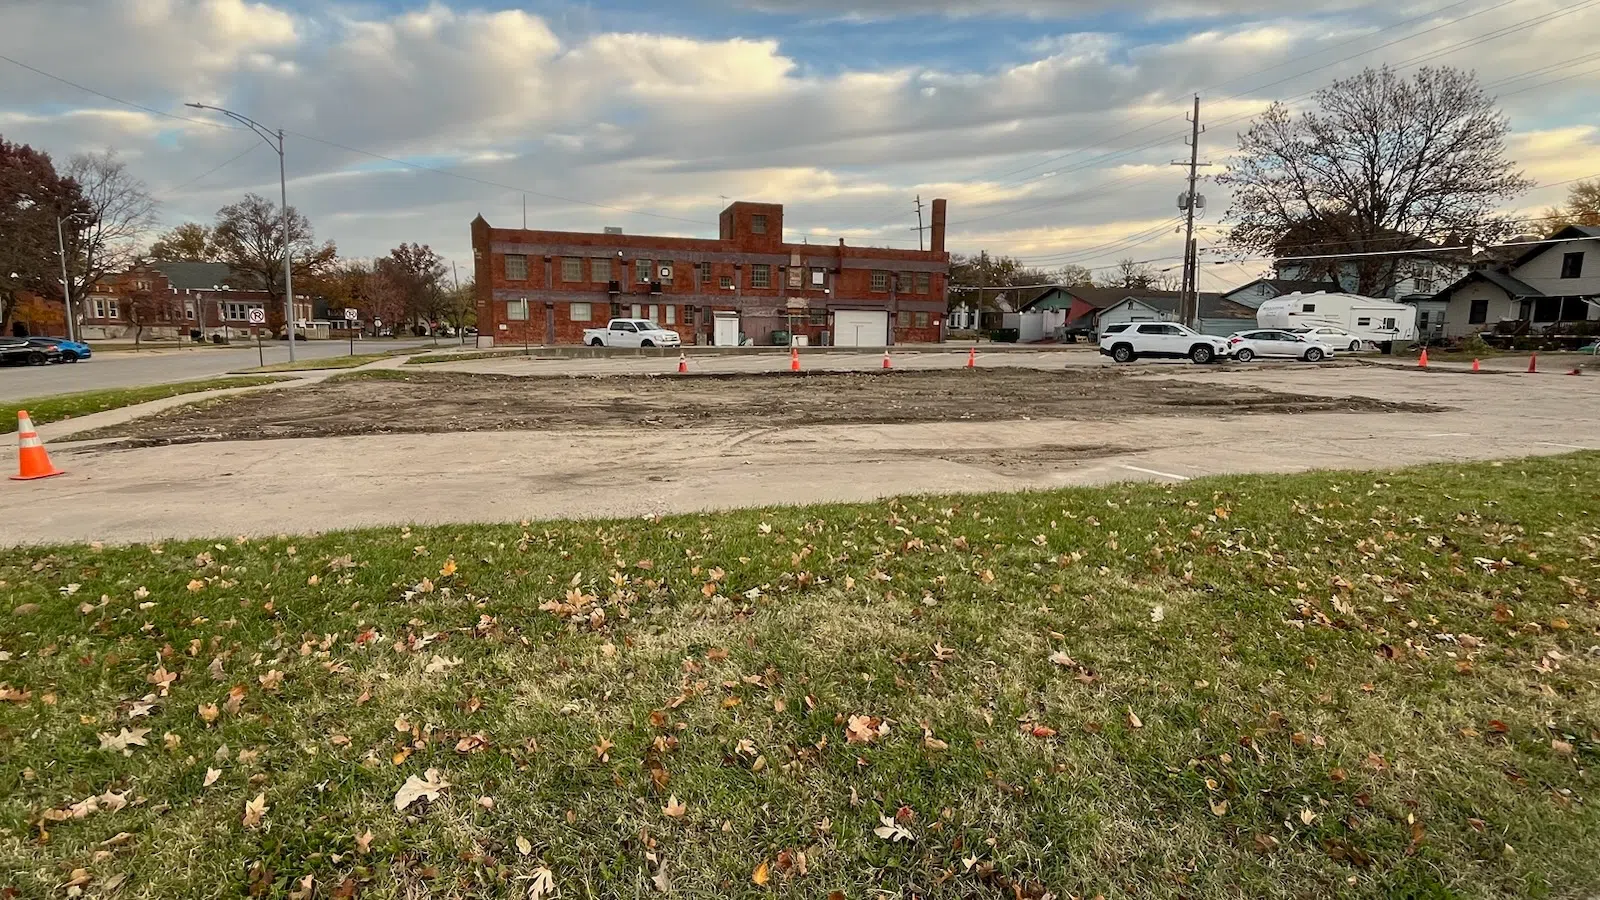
x=631, y=333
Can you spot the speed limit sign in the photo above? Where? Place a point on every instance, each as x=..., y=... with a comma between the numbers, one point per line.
x=258, y=316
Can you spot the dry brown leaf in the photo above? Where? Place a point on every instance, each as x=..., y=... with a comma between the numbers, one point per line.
x=761, y=875
x=524, y=846
x=674, y=809
x=211, y=777
x=426, y=788
x=254, y=810
x=124, y=741
x=364, y=842
x=1133, y=719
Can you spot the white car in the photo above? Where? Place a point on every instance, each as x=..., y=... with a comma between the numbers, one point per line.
x=631, y=333
x=1333, y=336
x=1265, y=342
x=1127, y=341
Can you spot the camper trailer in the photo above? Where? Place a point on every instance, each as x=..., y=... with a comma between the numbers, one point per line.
x=1366, y=319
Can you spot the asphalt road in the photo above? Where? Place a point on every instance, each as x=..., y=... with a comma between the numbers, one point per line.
x=127, y=368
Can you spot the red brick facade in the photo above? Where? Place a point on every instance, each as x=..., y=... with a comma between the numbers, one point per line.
x=546, y=287
x=119, y=304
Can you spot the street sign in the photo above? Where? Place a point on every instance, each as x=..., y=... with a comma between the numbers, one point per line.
x=349, y=314
x=258, y=316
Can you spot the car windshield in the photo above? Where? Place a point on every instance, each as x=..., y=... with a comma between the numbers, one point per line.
x=645, y=325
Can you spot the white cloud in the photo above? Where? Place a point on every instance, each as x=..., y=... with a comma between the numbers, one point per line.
x=670, y=123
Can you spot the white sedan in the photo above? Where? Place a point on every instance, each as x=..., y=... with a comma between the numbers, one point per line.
x=1333, y=336
x=1265, y=342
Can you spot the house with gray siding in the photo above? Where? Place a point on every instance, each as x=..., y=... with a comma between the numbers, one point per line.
x=1554, y=283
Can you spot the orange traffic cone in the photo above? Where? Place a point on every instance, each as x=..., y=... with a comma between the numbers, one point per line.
x=1533, y=364
x=886, y=363
x=794, y=359
x=972, y=358
x=32, y=461
x=1422, y=361
x=683, y=364
x=1475, y=366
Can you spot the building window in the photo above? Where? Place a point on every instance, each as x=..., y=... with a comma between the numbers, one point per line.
x=1422, y=319
x=571, y=268
x=650, y=313
x=1364, y=322
x=1572, y=265
x=1308, y=307
x=635, y=311
x=579, y=312
x=758, y=224
x=517, y=310
x=922, y=320
x=105, y=309
x=760, y=275
x=664, y=268
x=819, y=317
x=239, y=312
x=516, y=267
x=923, y=283
x=188, y=311
x=902, y=283
x=819, y=278
x=726, y=282
x=672, y=315
x=1479, y=312
x=705, y=273
x=642, y=266
x=880, y=282
x=600, y=269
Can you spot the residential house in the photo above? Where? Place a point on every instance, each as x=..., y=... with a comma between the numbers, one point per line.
x=744, y=286
x=1263, y=289
x=1091, y=309
x=1551, y=286
x=1418, y=273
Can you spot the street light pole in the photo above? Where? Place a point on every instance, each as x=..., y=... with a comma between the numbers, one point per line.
x=275, y=141
x=66, y=283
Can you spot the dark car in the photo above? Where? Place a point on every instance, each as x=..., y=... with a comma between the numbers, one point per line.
x=19, y=352
x=71, y=351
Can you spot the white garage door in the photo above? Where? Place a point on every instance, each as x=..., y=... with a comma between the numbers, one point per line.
x=861, y=328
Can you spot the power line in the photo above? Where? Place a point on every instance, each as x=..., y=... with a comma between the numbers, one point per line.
x=213, y=170
x=91, y=90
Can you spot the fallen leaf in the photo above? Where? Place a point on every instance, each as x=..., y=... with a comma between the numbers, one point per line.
x=117, y=840
x=541, y=884
x=1158, y=613
x=1561, y=748
x=448, y=569
x=864, y=729
x=364, y=842
x=524, y=846
x=892, y=831
x=760, y=875
x=1307, y=817
x=428, y=787
x=254, y=810
x=162, y=679
x=660, y=879
x=211, y=777
x=1219, y=807
x=1133, y=719
x=1061, y=658
x=674, y=809
x=124, y=741
x=440, y=664
x=307, y=886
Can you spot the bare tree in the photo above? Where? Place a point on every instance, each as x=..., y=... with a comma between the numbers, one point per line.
x=249, y=238
x=1379, y=163
x=1131, y=275
x=1073, y=275
x=189, y=242
x=119, y=214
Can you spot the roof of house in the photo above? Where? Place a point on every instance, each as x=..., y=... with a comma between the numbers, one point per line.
x=1567, y=233
x=1212, y=305
x=200, y=275
x=1284, y=286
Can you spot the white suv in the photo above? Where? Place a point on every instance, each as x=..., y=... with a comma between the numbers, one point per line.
x=1127, y=341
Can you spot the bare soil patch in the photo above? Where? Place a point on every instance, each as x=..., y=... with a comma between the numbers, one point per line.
x=398, y=402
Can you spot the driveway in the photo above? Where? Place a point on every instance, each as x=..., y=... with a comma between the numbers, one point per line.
x=128, y=368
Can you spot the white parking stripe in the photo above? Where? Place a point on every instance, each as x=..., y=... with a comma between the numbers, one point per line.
x=1154, y=472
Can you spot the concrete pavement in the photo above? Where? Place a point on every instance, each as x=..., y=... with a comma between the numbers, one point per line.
x=128, y=368
x=233, y=488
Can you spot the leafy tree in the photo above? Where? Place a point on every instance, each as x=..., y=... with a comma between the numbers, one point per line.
x=1379, y=162
x=32, y=195
x=1583, y=207
x=420, y=274
x=143, y=306
x=119, y=213
x=461, y=305
x=189, y=242
x=249, y=237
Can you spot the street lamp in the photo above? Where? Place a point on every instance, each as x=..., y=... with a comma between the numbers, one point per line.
x=66, y=283
x=275, y=141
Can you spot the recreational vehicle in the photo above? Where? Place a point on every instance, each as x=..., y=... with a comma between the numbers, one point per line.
x=1367, y=320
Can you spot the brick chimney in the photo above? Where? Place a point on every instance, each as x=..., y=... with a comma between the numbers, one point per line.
x=937, y=229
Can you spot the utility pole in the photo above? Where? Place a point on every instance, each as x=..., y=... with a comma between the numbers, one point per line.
x=919, y=221
x=1189, y=297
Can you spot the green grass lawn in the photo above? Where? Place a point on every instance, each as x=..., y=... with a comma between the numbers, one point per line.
x=1346, y=684
x=67, y=406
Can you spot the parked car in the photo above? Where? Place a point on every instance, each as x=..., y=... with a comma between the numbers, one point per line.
x=1265, y=342
x=19, y=352
x=1333, y=336
x=1127, y=341
x=71, y=351
x=631, y=333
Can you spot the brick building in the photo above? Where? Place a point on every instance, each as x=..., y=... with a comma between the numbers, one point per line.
x=546, y=287
x=171, y=300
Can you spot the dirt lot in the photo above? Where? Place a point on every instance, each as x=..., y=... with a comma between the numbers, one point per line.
x=403, y=402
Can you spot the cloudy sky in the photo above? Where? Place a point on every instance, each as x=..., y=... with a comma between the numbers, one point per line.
x=1049, y=124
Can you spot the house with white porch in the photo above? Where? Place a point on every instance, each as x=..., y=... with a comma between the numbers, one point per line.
x=1555, y=283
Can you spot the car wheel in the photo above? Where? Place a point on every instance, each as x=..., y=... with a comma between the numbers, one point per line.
x=1355, y=346
x=1201, y=355
x=1245, y=354
x=37, y=359
x=647, y=343
x=1314, y=354
x=597, y=343
x=69, y=356
x=1122, y=353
